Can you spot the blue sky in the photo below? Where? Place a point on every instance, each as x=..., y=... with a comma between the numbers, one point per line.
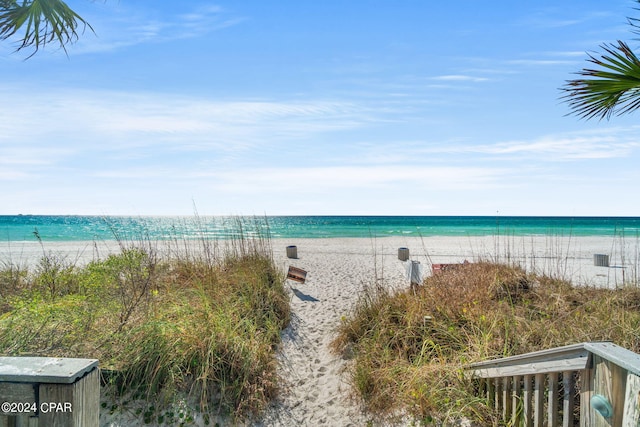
x=404, y=107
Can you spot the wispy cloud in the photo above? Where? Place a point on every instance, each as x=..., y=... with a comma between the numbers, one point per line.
x=539, y=62
x=156, y=123
x=121, y=25
x=568, y=148
x=13, y=175
x=28, y=156
x=204, y=20
x=348, y=177
x=459, y=78
x=570, y=54
x=614, y=143
x=550, y=18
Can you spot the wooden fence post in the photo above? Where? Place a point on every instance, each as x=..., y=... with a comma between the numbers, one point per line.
x=46, y=391
x=552, y=402
x=567, y=397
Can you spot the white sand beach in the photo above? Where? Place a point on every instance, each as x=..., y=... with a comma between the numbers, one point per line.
x=316, y=389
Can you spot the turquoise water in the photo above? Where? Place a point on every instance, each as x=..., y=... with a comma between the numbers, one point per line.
x=78, y=228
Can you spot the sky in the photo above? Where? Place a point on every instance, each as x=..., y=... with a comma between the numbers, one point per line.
x=306, y=107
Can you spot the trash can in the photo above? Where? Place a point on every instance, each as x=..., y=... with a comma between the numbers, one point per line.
x=403, y=254
x=292, y=252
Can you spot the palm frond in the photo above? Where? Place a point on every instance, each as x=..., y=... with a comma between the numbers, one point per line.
x=614, y=88
x=44, y=21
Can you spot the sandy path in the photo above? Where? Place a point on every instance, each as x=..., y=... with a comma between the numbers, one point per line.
x=318, y=393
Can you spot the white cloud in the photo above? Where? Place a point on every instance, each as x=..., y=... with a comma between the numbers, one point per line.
x=566, y=148
x=460, y=77
x=332, y=178
x=319, y=179
x=571, y=54
x=112, y=120
x=13, y=175
x=549, y=18
x=118, y=25
x=27, y=156
x=612, y=143
x=541, y=62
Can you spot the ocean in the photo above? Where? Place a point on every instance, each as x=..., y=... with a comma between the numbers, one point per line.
x=69, y=228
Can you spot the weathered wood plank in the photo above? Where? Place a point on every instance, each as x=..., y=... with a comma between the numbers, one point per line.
x=620, y=356
x=26, y=421
x=516, y=400
x=618, y=387
x=56, y=393
x=608, y=381
x=571, y=357
x=552, y=403
x=22, y=421
x=507, y=391
x=87, y=392
x=538, y=399
x=490, y=391
x=567, y=399
x=586, y=391
x=526, y=401
x=17, y=392
x=79, y=402
x=23, y=394
x=53, y=370
x=535, y=355
x=631, y=415
x=602, y=381
x=574, y=363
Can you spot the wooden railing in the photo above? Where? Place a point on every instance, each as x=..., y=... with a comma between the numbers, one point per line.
x=593, y=384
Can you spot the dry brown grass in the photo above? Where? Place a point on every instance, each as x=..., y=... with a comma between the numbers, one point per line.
x=411, y=347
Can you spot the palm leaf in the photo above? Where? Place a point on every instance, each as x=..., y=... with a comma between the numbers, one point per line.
x=614, y=88
x=44, y=21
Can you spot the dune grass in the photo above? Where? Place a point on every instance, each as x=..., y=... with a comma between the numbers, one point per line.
x=410, y=347
x=199, y=318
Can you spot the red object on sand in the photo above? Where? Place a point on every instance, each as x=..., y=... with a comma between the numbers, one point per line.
x=438, y=268
x=296, y=274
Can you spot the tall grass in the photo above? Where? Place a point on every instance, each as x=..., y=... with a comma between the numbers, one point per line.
x=196, y=317
x=561, y=256
x=411, y=347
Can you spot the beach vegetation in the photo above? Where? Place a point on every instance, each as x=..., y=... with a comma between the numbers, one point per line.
x=410, y=347
x=199, y=319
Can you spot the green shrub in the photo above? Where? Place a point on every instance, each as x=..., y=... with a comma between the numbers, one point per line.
x=193, y=322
